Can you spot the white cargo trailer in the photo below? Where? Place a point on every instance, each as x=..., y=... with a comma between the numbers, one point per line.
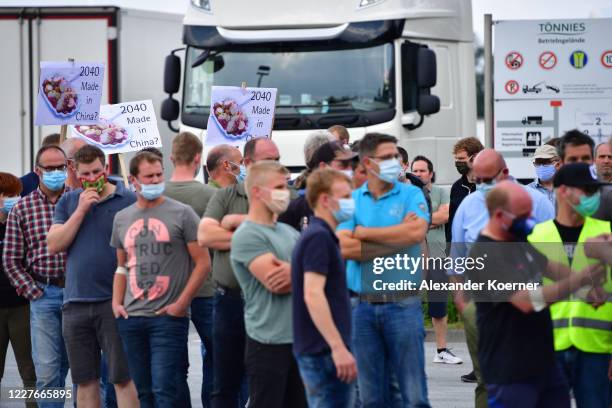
x=132, y=44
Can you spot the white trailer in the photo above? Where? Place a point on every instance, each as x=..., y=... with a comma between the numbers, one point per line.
x=132, y=44
x=363, y=64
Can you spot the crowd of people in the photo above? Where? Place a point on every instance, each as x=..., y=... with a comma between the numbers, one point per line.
x=275, y=274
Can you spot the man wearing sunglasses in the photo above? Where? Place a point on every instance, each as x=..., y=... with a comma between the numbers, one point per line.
x=582, y=334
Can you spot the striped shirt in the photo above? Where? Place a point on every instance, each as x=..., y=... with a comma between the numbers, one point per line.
x=25, y=245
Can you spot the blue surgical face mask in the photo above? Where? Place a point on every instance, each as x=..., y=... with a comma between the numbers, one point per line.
x=54, y=180
x=484, y=188
x=389, y=170
x=9, y=203
x=546, y=172
x=522, y=227
x=345, y=211
x=588, y=205
x=242, y=175
x=152, y=191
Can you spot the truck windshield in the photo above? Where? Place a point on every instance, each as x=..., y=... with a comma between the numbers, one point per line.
x=309, y=82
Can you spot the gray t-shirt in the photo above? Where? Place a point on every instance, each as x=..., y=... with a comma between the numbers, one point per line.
x=196, y=195
x=267, y=316
x=158, y=261
x=436, y=237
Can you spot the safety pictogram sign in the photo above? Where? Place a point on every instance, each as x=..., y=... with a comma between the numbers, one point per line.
x=514, y=60
x=606, y=59
x=547, y=60
x=512, y=87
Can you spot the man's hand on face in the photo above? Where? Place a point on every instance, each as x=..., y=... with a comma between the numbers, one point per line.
x=87, y=198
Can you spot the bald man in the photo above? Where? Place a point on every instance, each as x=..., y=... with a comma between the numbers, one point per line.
x=489, y=168
x=516, y=344
x=70, y=147
x=224, y=166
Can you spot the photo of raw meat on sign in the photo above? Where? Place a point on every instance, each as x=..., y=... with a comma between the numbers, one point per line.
x=60, y=96
x=104, y=134
x=230, y=118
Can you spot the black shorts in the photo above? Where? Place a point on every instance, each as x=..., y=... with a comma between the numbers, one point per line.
x=88, y=329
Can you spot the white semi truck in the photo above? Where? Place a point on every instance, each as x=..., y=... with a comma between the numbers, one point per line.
x=364, y=64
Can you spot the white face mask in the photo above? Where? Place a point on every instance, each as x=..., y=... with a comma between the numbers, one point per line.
x=279, y=200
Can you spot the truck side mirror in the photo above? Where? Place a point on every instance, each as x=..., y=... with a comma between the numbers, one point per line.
x=170, y=108
x=172, y=74
x=427, y=104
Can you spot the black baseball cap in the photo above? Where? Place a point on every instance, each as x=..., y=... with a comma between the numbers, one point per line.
x=577, y=175
x=331, y=151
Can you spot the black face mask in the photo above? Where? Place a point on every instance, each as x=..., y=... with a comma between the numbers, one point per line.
x=462, y=167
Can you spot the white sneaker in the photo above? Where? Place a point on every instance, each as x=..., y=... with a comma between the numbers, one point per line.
x=447, y=357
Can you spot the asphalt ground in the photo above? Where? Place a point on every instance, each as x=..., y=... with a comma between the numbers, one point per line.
x=444, y=385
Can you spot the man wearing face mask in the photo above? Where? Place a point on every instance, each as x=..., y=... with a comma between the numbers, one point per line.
x=82, y=226
x=546, y=162
x=321, y=305
x=464, y=152
x=224, y=213
x=329, y=155
x=224, y=166
x=583, y=334
x=36, y=273
x=471, y=217
x=261, y=251
x=519, y=374
x=394, y=217
x=160, y=268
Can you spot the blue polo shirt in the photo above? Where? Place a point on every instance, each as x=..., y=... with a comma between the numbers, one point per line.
x=388, y=210
x=91, y=261
x=318, y=251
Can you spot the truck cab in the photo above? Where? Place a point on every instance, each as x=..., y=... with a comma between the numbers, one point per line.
x=401, y=67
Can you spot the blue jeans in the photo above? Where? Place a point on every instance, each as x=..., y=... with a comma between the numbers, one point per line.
x=548, y=392
x=587, y=374
x=48, y=350
x=202, y=318
x=323, y=388
x=155, y=348
x=388, y=339
x=229, y=341
x=107, y=390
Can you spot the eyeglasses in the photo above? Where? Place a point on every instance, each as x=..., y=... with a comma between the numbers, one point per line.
x=487, y=180
x=387, y=157
x=52, y=168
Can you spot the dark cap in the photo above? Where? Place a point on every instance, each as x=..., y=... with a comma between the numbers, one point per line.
x=331, y=151
x=576, y=175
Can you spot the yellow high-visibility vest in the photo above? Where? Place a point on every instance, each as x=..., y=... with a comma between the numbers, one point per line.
x=576, y=323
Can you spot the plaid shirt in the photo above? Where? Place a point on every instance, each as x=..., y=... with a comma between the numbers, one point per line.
x=25, y=245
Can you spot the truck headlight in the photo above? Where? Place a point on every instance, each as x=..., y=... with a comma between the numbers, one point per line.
x=202, y=4
x=368, y=3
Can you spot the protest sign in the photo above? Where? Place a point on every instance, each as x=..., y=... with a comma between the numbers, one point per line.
x=238, y=114
x=124, y=127
x=69, y=92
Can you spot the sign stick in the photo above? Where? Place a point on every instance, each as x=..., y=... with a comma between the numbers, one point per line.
x=64, y=128
x=124, y=172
